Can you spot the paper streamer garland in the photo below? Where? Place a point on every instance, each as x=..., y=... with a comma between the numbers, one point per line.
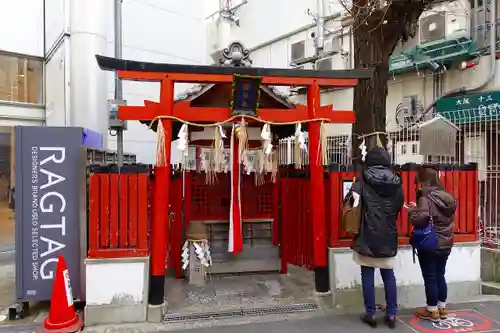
x=202, y=250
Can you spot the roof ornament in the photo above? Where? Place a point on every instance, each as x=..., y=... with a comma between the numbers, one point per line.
x=236, y=55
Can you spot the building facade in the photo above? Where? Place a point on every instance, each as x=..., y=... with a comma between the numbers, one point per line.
x=455, y=50
x=48, y=72
x=451, y=51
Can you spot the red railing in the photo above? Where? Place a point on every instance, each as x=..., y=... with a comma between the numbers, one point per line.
x=118, y=215
x=211, y=201
x=459, y=180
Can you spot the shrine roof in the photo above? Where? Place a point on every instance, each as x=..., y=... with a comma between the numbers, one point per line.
x=235, y=55
x=199, y=89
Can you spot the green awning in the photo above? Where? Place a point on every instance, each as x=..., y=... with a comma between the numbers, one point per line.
x=431, y=54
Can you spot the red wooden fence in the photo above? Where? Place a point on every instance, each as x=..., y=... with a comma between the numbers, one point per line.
x=296, y=231
x=459, y=180
x=118, y=210
x=118, y=215
x=296, y=227
x=176, y=225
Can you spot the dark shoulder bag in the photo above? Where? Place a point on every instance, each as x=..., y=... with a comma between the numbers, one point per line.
x=424, y=239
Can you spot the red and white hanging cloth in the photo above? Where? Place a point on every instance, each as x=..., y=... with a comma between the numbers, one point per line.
x=235, y=244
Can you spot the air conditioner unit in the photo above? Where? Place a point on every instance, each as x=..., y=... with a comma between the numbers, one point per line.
x=432, y=27
x=333, y=44
x=447, y=23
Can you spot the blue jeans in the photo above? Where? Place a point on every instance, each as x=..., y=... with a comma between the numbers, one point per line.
x=433, y=266
x=391, y=294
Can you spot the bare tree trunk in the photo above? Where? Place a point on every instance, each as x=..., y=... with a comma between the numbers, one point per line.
x=375, y=35
x=370, y=95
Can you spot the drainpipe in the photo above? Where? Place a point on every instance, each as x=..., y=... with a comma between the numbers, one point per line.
x=474, y=17
x=320, y=24
x=491, y=75
x=118, y=81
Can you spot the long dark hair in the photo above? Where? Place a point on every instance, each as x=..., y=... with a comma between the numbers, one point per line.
x=430, y=176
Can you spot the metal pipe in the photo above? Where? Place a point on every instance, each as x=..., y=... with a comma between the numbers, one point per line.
x=244, y=2
x=485, y=17
x=320, y=24
x=475, y=17
x=294, y=32
x=493, y=50
x=118, y=82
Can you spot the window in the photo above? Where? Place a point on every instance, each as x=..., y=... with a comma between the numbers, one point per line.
x=298, y=50
x=21, y=79
x=403, y=149
x=414, y=149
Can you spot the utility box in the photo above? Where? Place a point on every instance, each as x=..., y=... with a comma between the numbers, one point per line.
x=50, y=210
x=114, y=122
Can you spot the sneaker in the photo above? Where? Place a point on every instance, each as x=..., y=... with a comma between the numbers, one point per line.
x=369, y=320
x=443, y=313
x=390, y=321
x=428, y=315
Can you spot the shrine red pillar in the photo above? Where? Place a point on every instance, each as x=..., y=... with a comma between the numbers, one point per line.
x=159, y=223
x=317, y=193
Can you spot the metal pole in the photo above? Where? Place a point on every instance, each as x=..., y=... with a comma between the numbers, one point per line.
x=320, y=27
x=118, y=82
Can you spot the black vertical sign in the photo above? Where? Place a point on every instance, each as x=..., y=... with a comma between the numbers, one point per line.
x=47, y=207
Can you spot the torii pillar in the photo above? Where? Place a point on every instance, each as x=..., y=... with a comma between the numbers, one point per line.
x=317, y=192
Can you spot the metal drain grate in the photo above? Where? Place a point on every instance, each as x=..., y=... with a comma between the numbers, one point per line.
x=169, y=318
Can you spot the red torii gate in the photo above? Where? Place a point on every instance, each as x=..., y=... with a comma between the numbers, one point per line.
x=167, y=111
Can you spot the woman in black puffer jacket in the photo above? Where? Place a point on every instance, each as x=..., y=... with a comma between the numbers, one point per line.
x=376, y=245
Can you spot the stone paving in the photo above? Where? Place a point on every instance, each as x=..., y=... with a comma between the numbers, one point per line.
x=226, y=293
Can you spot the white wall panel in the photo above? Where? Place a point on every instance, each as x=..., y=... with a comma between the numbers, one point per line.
x=21, y=26
x=55, y=88
x=54, y=21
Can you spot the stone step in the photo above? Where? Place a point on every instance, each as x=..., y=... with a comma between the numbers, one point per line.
x=490, y=288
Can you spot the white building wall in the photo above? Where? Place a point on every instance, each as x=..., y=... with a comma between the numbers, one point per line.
x=263, y=20
x=56, y=86
x=88, y=34
x=56, y=22
x=270, y=46
x=25, y=115
x=21, y=26
x=77, y=90
x=57, y=63
x=157, y=31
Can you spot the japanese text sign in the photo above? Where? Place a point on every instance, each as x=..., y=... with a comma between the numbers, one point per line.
x=467, y=109
x=246, y=93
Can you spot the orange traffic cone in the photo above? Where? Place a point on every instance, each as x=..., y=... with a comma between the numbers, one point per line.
x=62, y=317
